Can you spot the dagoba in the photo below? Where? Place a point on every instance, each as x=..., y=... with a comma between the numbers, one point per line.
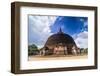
x=60, y=43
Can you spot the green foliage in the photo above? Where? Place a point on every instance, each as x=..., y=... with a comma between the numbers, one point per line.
x=84, y=50
x=32, y=49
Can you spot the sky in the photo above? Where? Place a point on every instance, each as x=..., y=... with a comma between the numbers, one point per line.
x=41, y=27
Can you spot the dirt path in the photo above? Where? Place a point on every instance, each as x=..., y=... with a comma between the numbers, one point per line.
x=38, y=58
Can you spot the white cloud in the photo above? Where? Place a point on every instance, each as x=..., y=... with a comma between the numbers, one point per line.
x=82, y=19
x=81, y=39
x=85, y=23
x=39, y=29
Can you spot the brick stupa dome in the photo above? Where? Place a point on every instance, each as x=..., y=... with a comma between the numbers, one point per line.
x=60, y=38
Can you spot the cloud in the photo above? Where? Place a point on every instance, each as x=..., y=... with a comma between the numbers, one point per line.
x=85, y=24
x=81, y=39
x=39, y=29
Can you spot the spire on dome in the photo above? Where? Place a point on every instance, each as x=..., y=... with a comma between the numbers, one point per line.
x=60, y=30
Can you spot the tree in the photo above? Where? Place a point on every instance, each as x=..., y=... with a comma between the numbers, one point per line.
x=33, y=50
x=86, y=50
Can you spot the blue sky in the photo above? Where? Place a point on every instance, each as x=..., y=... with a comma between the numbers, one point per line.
x=70, y=25
x=41, y=27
